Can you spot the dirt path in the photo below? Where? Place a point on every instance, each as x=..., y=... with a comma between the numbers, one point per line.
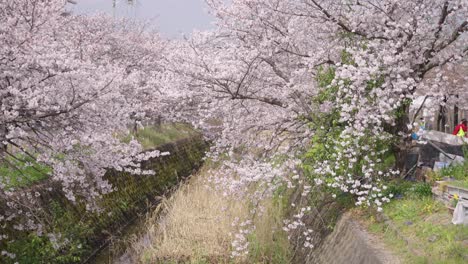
x=351, y=243
x=385, y=255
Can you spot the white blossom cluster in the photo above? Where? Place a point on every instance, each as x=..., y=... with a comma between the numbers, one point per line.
x=240, y=243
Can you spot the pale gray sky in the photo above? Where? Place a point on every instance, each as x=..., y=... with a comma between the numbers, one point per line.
x=171, y=17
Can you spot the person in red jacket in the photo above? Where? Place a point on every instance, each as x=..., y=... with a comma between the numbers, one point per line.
x=462, y=126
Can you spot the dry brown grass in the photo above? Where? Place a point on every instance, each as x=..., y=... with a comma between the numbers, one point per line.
x=193, y=225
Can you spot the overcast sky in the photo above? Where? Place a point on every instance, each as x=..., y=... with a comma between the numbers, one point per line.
x=171, y=17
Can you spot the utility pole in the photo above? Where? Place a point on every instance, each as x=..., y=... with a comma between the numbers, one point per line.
x=114, y=4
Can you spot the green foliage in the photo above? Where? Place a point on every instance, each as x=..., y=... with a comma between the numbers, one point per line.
x=388, y=161
x=411, y=208
x=67, y=245
x=458, y=172
x=153, y=136
x=347, y=58
x=325, y=125
x=402, y=111
x=375, y=83
x=324, y=78
x=398, y=188
x=345, y=200
x=325, y=145
x=409, y=189
x=22, y=171
x=422, y=189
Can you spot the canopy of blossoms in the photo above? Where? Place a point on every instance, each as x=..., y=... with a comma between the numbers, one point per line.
x=261, y=72
x=70, y=86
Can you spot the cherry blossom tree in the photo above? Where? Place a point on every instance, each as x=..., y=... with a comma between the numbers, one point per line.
x=339, y=75
x=285, y=76
x=70, y=88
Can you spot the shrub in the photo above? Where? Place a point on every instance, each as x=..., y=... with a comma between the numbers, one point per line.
x=422, y=189
x=406, y=188
x=458, y=172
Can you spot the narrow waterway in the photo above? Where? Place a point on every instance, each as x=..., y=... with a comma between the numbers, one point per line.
x=117, y=251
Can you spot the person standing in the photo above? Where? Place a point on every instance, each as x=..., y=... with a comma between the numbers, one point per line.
x=461, y=129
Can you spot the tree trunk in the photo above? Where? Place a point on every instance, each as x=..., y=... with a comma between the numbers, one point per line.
x=401, y=151
x=442, y=118
x=402, y=146
x=3, y=147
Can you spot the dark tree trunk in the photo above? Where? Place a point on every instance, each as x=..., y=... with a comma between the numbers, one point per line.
x=401, y=147
x=401, y=151
x=442, y=117
x=3, y=147
x=135, y=127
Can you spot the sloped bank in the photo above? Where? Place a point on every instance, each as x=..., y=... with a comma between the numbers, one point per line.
x=74, y=232
x=337, y=238
x=349, y=243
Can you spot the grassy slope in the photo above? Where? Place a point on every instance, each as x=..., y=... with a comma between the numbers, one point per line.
x=24, y=171
x=425, y=232
x=153, y=136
